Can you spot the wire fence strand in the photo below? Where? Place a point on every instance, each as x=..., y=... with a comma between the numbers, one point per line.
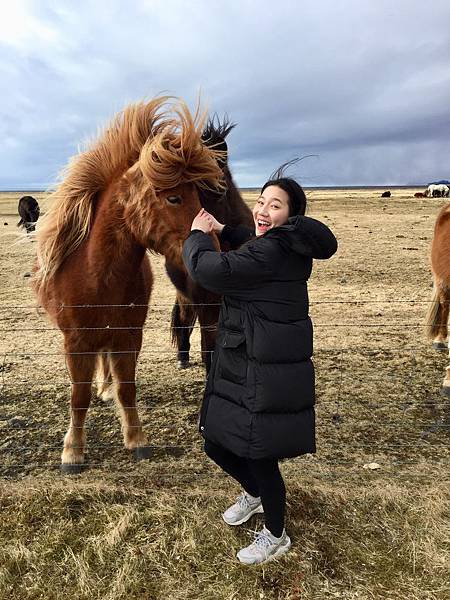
x=40, y=310
x=347, y=423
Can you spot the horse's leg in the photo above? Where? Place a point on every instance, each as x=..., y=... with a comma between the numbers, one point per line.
x=208, y=316
x=444, y=302
x=105, y=386
x=437, y=321
x=441, y=340
x=437, y=316
x=445, y=389
x=123, y=366
x=81, y=368
x=183, y=320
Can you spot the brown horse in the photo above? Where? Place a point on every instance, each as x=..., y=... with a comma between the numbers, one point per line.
x=134, y=189
x=437, y=316
x=193, y=302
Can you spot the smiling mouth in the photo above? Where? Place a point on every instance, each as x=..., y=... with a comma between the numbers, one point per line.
x=263, y=224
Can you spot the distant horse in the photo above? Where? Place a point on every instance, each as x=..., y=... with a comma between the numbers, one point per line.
x=134, y=189
x=28, y=210
x=437, y=316
x=192, y=301
x=386, y=195
x=445, y=191
x=437, y=191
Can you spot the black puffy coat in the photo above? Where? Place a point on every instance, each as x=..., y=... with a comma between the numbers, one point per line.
x=259, y=398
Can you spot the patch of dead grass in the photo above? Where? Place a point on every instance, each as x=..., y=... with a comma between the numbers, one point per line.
x=81, y=539
x=153, y=530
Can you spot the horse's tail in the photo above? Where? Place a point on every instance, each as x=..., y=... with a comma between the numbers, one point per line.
x=183, y=317
x=20, y=223
x=105, y=384
x=433, y=319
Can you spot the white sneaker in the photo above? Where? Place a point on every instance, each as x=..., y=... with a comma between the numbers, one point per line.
x=241, y=511
x=265, y=547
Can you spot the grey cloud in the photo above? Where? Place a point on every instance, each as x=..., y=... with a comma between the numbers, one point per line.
x=363, y=84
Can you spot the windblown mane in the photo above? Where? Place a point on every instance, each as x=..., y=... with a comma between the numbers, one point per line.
x=162, y=140
x=216, y=131
x=214, y=135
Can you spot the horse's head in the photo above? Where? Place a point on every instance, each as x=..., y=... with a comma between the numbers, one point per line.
x=161, y=220
x=161, y=190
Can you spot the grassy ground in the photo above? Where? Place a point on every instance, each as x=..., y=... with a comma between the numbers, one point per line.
x=152, y=530
x=90, y=539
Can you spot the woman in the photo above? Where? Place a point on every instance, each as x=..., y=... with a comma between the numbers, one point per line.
x=258, y=405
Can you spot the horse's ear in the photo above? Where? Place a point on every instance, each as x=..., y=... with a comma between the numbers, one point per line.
x=130, y=179
x=132, y=173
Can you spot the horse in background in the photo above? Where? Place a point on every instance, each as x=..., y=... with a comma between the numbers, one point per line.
x=437, y=316
x=193, y=302
x=28, y=210
x=134, y=189
x=437, y=191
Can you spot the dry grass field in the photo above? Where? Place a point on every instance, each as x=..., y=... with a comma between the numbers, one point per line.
x=152, y=530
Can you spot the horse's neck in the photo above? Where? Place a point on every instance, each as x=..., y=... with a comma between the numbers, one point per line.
x=232, y=210
x=111, y=248
x=238, y=212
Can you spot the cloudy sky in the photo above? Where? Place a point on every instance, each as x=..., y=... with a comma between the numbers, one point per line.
x=362, y=84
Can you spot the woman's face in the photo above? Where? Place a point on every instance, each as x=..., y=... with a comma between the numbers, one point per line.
x=271, y=209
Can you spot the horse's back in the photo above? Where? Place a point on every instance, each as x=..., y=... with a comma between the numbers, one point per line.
x=442, y=219
x=440, y=248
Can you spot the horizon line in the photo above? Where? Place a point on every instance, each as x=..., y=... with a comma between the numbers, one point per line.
x=256, y=187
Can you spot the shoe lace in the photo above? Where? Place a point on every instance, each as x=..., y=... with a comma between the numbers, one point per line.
x=243, y=501
x=262, y=540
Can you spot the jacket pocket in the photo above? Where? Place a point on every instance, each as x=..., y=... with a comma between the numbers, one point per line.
x=284, y=388
x=233, y=357
x=276, y=342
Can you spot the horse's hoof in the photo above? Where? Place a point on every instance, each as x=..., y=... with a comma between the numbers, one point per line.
x=142, y=452
x=72, y=468
x=183, y=364
x=440, y=346
x=445, y=391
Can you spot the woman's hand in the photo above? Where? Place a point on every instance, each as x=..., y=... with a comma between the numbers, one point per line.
x=206, y=222
x=217, y=227
x=202, y=221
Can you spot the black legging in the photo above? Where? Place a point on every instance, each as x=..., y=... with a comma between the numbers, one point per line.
x=259, y=477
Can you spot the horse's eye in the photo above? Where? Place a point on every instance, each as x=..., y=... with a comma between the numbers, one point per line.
x=174, y=199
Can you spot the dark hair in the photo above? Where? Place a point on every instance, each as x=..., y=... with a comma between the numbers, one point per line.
x=296, y=195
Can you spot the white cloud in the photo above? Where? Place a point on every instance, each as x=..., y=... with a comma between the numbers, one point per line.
x=20, y=28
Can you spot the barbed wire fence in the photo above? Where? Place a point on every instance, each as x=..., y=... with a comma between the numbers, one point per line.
x=395, y=442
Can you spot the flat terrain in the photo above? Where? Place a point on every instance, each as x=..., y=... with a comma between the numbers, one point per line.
x=152, y=529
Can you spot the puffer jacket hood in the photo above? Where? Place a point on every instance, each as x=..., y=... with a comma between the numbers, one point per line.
x=305, y=236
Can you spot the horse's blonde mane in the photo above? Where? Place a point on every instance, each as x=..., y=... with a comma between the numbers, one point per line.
x=164, y=142
x=176, y=154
